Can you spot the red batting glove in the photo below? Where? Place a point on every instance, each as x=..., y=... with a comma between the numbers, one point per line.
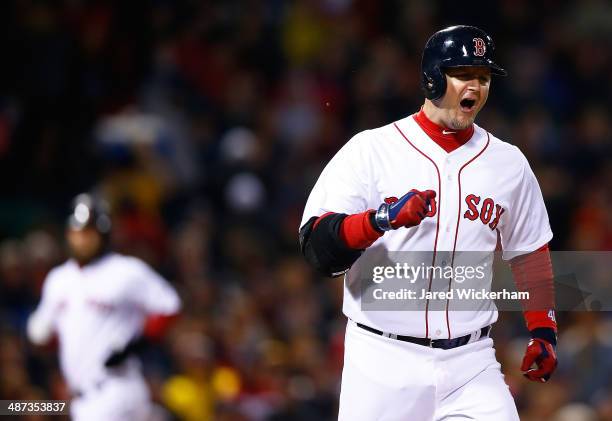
x=542, y=353
x=407, y=212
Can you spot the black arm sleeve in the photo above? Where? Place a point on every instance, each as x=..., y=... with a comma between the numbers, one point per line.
x=324, y=249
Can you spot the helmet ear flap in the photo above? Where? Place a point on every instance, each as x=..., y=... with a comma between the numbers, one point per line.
x=434, y=83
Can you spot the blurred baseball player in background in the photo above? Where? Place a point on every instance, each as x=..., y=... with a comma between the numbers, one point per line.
x=102, y=306
x=460, y=189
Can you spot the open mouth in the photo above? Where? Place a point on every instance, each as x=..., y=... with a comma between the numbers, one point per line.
x=467, y=105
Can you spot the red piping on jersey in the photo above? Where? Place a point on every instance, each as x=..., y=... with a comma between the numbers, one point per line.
x=457, y=227
x=433, y=262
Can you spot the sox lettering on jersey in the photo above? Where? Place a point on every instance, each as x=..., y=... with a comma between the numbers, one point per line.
x=485, y=212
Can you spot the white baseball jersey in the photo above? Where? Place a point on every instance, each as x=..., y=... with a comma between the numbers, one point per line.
x=96, y=310
x=483, y=188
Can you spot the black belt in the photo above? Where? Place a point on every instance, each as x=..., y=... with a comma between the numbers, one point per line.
x=432, y=343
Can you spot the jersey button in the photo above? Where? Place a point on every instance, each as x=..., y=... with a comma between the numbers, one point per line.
x=438, y=332
x=449, y=177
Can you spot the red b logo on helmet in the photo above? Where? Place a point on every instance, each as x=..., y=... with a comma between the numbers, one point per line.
x=479, y=47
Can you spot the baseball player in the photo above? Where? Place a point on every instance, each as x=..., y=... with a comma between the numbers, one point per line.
x=101, y=305
x=433, y=181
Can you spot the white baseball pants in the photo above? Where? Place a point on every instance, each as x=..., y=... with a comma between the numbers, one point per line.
x=391, y=380
x=124, y=398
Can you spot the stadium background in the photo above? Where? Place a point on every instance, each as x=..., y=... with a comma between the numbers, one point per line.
x=207, y=123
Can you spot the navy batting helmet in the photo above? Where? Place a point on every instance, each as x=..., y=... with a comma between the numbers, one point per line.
x=455, y=46
x=89, y=211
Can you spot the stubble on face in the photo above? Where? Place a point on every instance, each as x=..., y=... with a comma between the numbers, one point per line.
x=457, y=124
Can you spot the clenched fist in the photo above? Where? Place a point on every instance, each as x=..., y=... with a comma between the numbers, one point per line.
x=408, y=211
x=541, y=352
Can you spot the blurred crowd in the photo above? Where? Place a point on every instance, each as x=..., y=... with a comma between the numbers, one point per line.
x=206, y=124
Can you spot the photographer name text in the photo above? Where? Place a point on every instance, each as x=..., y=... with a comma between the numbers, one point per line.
x=459, y=294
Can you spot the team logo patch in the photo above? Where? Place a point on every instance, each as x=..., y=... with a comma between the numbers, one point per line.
x=480, y=48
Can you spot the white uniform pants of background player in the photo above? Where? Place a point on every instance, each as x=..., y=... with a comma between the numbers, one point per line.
x=120, y=398
x=390, y=380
